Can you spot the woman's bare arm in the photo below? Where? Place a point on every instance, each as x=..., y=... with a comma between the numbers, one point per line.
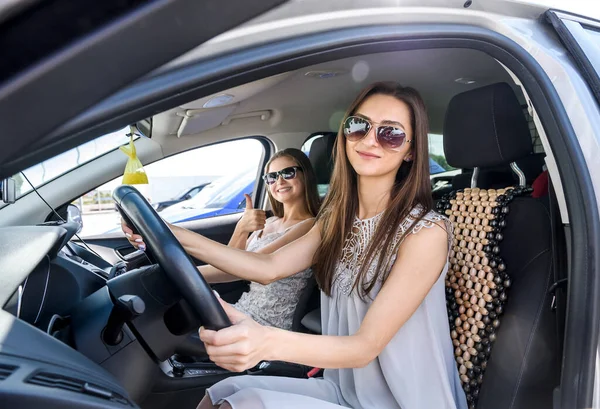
x=288, y=255
x=421, y=258
x=214, y=275
x=238, y=240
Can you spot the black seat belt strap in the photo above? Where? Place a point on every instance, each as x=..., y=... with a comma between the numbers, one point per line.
x=559, y=289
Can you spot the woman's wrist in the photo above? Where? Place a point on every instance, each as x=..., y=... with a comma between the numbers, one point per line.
x=239, y=235
x=239, y=231
x=270, y=344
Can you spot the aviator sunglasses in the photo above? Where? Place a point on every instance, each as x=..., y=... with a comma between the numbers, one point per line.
x=287, y=173
x=388, y=136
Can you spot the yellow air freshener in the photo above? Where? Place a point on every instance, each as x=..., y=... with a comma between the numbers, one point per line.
x=134, y=171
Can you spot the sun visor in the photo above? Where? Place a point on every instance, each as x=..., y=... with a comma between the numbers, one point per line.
x=236, y=94
x=199, y=120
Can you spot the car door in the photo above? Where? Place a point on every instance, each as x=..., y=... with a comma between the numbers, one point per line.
x=581, y=37
x=137, y=37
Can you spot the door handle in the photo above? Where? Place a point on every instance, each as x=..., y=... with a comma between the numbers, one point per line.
x=127, y=255
x=132, y=256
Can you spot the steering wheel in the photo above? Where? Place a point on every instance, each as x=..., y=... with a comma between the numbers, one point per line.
x=171, y=256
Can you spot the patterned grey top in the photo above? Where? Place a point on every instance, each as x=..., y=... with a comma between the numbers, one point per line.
x=273, y=304
x=416, y=369
x=357, y=243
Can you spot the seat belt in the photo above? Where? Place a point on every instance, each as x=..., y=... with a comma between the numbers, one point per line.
x=559, y=288
x=314, y=372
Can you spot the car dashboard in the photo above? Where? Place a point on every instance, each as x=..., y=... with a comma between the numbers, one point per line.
x=43, y=277
x=58, y=283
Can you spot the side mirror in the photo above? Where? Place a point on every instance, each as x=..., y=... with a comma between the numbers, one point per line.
x=74, y=215
x=8, y=191
x=187, y=197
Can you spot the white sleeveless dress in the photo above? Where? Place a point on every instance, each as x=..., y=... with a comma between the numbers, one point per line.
x=416, y=370
x=273, y=304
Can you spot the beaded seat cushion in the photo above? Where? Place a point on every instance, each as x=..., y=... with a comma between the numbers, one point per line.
x=477, y=281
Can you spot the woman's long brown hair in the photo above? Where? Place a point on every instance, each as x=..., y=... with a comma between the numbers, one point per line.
x=311, y=194
x=411, y=188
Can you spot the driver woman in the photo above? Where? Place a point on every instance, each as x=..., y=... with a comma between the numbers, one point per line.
x=380, y=255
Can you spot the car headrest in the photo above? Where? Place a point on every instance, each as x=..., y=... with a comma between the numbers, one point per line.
x=485, y=127
x=321, y=157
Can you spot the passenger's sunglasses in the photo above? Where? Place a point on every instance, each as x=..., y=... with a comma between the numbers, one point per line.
x=287, y=173
x=388, y=136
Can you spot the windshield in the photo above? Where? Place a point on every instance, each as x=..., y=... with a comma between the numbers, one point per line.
x=54, y=167
x=220, y=192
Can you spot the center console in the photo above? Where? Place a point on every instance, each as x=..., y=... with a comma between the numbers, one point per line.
x=181, y=366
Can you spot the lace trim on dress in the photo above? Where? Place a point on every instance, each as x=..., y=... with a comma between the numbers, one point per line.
x=361, y=235
x=273, y=304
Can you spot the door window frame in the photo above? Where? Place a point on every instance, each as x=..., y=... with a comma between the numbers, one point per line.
x=573, y=32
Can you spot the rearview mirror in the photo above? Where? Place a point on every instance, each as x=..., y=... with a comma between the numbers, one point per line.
x=74, y=215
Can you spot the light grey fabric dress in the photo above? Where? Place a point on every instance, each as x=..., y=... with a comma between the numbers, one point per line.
x=416, y=370
x=273, y=304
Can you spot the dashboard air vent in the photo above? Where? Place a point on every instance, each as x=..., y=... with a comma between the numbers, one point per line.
x=6, y=371
x=53, y=380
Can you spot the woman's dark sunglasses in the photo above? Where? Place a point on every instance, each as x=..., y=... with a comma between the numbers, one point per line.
x=388, y=136
x=287, y=173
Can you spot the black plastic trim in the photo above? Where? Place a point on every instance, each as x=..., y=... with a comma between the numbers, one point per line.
x=173, y=88
x=64, y=21
x=108, y=58
x=55, y=380
x=7, y=370
x=589, y=73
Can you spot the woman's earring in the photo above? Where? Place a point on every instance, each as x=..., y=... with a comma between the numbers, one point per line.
x=408, y=158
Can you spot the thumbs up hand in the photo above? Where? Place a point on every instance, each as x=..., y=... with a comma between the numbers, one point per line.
x=253, y=219
x=249, y=205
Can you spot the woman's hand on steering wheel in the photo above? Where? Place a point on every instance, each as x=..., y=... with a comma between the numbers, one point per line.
x=170, y=255
x=239, y=347
x=135, y=240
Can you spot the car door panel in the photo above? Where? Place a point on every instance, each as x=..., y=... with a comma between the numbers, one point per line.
x=115, y=247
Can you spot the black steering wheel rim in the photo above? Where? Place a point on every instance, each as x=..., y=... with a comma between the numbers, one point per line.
x=171, y=256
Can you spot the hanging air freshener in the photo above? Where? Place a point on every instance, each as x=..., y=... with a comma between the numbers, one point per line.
x=134, y=171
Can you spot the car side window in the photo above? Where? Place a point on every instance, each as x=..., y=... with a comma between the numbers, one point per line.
x=437, y=157
x=200, y=183
x=441, y=173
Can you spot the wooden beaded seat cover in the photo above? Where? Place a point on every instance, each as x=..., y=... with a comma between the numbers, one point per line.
x=477, y=281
